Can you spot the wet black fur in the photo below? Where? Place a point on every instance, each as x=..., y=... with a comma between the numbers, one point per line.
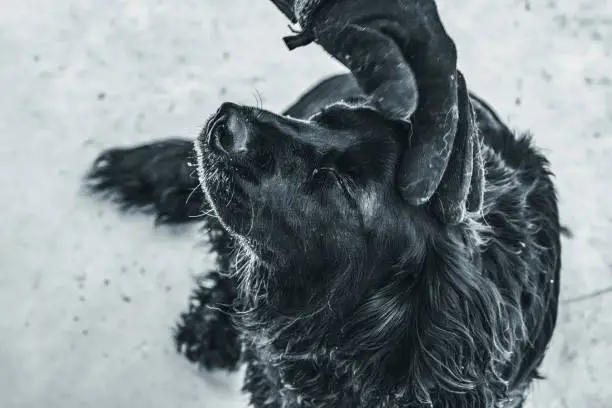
x=454, y=316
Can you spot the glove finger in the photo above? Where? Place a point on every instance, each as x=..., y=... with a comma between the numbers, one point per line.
x=377, y=64
x=434, y=128
x=452, y=194
x=432, y=56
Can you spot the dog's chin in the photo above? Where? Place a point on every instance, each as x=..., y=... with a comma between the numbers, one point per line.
x=226, y=195
x=225, y=191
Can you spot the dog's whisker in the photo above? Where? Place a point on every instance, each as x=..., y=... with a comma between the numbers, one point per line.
x=193, y=191
x=258, y=103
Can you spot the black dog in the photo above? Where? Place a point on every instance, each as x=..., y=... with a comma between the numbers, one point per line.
x=335, y=283
x=332, y=290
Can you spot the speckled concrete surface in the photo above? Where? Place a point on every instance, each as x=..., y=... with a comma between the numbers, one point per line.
x=87, y=296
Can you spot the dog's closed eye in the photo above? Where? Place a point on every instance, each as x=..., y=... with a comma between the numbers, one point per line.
x=331, y=177
x=326, y=175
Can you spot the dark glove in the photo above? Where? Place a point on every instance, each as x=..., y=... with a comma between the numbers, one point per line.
x=403, y=59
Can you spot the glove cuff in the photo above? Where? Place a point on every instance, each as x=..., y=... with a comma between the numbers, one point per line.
x=286, y=7
x=304, y=9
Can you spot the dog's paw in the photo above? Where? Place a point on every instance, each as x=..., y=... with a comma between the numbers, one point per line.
x=157, y=177
x=205, y=334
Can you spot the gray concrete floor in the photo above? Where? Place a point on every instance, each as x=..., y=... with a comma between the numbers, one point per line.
x=87, y=296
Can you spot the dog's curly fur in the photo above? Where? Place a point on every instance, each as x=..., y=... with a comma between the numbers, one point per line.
x=419, y=314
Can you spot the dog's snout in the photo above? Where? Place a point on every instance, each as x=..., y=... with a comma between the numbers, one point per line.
x=229, y=130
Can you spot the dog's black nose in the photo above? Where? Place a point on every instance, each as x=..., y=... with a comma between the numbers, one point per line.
x=228, y=130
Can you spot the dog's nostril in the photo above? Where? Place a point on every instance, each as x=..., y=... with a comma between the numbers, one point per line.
x=222, y=138
x=229, y=133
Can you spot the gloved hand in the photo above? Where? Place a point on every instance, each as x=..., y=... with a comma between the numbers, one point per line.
x=403, y=59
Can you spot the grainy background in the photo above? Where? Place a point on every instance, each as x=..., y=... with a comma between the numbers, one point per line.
x=87, y=296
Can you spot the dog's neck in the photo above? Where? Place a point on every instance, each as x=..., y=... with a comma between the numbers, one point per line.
x=444, y=334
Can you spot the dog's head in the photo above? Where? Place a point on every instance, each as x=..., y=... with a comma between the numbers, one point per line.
x=317, y=192
x=314, y=196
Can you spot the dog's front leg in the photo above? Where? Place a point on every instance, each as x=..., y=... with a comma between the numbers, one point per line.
x=205, y=333
x=157, y=176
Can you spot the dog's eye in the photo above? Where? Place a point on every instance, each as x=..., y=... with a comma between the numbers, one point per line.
x=323, y=174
